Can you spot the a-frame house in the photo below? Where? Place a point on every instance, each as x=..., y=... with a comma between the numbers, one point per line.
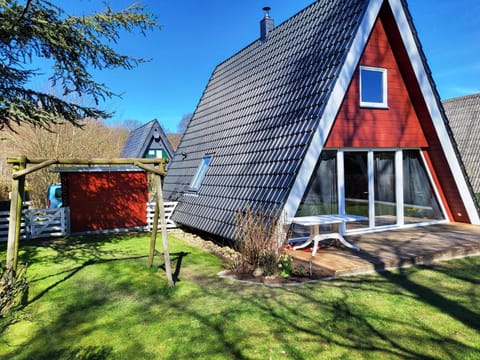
x=147, y=141
x=333, y=111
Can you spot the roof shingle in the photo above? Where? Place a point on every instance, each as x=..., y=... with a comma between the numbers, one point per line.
x=463, y=114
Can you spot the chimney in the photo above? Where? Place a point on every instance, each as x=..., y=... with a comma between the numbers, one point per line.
x=266, y=25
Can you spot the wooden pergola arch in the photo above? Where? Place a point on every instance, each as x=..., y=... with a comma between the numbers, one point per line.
x=20, y=170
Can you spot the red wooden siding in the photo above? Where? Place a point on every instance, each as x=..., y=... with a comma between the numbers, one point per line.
x=397, y=126
x=435, y=179
x=106, y=200
x=406, y=123
x=436, y=160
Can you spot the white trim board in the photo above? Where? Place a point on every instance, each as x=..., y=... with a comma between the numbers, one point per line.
x=331, y=109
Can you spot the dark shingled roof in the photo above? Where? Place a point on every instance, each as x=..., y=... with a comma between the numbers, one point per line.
x=143, y=138
x=463, y=114
x=257, y=117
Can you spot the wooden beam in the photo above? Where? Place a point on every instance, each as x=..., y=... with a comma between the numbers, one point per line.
x=15, y=221
x=34, y=168
x=158, y=171
x=99, y=161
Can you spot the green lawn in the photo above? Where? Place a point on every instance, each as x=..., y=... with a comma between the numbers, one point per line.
x=94, y=298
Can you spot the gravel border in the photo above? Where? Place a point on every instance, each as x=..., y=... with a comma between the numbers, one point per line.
x=224, y=252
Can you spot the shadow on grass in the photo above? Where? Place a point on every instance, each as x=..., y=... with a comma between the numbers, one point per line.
x=423, y=293
x=296, y=318
x=467, y=272
x=210, y=317
x=353, y=328
x=77, y=248
x=175, y=258
x=299, y=317
x=88, y=353
x=70, y=273
x=433, y=298
x=292, y=326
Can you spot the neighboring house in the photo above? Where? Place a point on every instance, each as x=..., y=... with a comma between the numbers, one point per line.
x=463, y=114
x=148, y=141
x=333, y=111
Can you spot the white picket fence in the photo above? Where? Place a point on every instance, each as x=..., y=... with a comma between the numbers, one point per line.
x=169, y=207
x=38, y=223
x=4, y=218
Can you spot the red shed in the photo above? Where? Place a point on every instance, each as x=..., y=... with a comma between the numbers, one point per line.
x=105, y=198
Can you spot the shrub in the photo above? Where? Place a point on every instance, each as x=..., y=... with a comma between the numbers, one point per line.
x=258, y=241
x=285, y=265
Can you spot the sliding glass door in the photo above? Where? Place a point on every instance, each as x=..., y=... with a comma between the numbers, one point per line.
x=385, y=190
x=420, y=201
x=321, y=195
x=355, y=185
x=389, y=188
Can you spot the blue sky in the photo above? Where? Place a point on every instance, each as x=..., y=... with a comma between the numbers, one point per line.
x=197, y=35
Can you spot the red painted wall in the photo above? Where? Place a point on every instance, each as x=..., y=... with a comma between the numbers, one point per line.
x=436, y=160
x=105, y=200
x=397, y=126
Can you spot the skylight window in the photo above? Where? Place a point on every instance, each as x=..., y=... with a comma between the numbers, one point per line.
x=201, y=171
x=373, y=87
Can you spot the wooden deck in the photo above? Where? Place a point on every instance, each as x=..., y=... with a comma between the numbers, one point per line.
x=394, y=249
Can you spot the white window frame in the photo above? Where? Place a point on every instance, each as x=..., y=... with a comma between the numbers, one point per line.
x=400, y=223
x=384, y=103
x=201, y=172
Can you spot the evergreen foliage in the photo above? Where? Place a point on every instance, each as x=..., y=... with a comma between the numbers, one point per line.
x=76, y=45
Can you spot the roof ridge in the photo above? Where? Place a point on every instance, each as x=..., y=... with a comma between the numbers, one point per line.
x=146, y=124
x=272, y=32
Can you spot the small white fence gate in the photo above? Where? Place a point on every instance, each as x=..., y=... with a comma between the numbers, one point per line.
x=38, y=223
x=48, y=222
x=169, y=206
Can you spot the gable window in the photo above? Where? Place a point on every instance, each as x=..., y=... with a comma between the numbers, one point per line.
x=373, y=87
x=154, y=154
x=201, y=171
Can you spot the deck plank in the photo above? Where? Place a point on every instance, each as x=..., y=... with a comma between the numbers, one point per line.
x=395, y=249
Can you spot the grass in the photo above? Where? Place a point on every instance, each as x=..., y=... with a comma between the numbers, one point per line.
x=94, y=298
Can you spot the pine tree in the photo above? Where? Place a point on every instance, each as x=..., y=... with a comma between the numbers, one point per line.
x=76, y=46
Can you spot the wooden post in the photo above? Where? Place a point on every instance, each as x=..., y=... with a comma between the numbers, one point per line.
x=15, y=221
x=166, y=251
x=153, y=239
x=160, y=214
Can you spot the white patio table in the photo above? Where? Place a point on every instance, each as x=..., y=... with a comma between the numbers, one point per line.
x=314, y=222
